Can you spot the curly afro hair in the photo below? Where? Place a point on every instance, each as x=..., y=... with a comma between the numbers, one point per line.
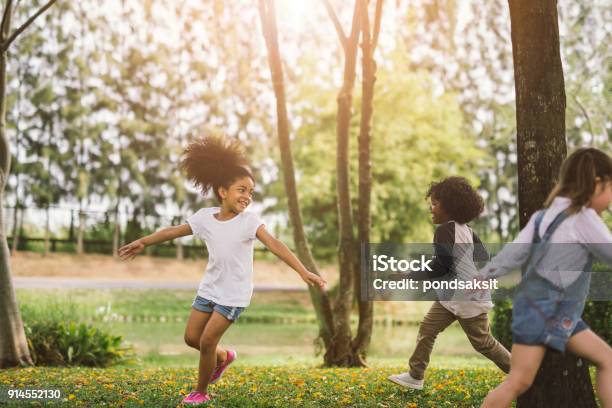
x=458, y=199
x=214, y=161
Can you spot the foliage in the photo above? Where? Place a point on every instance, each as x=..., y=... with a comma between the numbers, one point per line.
x=58, y=343
x=410, y=149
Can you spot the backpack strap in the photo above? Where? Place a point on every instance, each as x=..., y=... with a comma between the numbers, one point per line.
x=536, y=229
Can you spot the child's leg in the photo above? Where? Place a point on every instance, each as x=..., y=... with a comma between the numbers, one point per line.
x=436, y=320
x=590, y=346
x=477, y=330
x=195, y=326
x=214, y=329
x=525, y=361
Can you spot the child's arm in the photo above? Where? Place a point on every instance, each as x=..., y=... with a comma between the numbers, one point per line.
x=513, y=255
x=132, y=249
x=279, y=249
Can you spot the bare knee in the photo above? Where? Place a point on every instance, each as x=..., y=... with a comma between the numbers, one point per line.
x=207, y=344
x=192, y=341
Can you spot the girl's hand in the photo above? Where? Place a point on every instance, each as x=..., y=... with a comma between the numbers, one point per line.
x=130, y=250
x=313, y=279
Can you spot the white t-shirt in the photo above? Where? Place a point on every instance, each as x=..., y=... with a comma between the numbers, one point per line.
x=228, y=279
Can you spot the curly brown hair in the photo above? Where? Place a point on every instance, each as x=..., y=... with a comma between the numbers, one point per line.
x=214, y=161
x=458, y=199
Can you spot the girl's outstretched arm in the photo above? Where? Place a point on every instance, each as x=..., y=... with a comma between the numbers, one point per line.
x=132, y=249
x=279, y=249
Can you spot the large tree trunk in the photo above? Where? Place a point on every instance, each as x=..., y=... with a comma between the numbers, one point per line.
x=319, y=298
x=13, y=345
x=540, y=117
x=342, y=354
x=540, y=101
x=368, y=45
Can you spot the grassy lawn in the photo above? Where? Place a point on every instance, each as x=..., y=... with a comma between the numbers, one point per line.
x=278, y=361
x=288, y=385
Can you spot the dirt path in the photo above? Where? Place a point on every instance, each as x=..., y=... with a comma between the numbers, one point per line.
x=147, y=270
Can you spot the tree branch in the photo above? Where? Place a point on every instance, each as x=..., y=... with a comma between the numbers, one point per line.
x=25, y=25
x=337, y=25
x=586, y=115
x=377, y=20
x=6, y=18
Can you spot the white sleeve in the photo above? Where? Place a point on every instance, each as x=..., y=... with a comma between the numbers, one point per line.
x=513, y=255
x=196, y=222
x=594, y=234
x=253, y=223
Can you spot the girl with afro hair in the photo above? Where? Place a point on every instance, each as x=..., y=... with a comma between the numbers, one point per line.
x=229, y=231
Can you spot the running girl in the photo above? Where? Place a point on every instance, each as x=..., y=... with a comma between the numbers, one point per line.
x=557, y=247
x=229, y=232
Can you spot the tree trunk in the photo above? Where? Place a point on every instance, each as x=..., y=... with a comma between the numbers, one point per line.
x=540, y=116
x=116, y=235
x=13, y=345
x=319, y=298
x=368, y=45
x=540, y=101
x=15, y=233
x=47, y=232
x=80, y=232
x=343, y=354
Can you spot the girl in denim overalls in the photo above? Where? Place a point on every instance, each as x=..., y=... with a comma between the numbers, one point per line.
x=556, y=248
x=229, y=232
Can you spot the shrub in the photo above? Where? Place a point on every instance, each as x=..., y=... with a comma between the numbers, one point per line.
x=59, y=343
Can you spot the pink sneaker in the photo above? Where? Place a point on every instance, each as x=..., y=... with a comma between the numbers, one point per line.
x=231, y=356
x=196, y=397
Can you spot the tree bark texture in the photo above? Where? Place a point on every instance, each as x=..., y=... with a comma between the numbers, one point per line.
x=562, y=381
x=320, y=299
x=368, y=45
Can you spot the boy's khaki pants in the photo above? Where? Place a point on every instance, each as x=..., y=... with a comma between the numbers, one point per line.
x=476, y=328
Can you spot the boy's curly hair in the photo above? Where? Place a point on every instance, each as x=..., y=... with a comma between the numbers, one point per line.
x=458, y=199
x=214, y=161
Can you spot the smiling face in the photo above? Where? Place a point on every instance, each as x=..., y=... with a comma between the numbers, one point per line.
x=438, y=215
x=237, y=197
x=601, y=198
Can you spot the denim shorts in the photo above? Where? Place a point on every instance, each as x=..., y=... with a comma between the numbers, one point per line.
x=549, y=319
x=231, y=313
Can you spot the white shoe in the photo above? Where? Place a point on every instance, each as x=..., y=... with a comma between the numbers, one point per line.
x=406, y=380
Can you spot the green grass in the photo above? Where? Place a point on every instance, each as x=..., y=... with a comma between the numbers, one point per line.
x=289, y=385
x=149, y=305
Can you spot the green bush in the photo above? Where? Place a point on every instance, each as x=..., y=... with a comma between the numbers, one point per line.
x=502, y=317
x=57, y=343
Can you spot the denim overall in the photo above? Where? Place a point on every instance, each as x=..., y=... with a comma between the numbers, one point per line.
x=544, y=313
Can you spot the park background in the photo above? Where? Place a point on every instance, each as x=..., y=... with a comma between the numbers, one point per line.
x=101, y=98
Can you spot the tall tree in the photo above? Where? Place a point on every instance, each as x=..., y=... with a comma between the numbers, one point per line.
x=13, y=346
x=321, y=302
x=369, y=41
x=343, y=352
x=562, y=381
